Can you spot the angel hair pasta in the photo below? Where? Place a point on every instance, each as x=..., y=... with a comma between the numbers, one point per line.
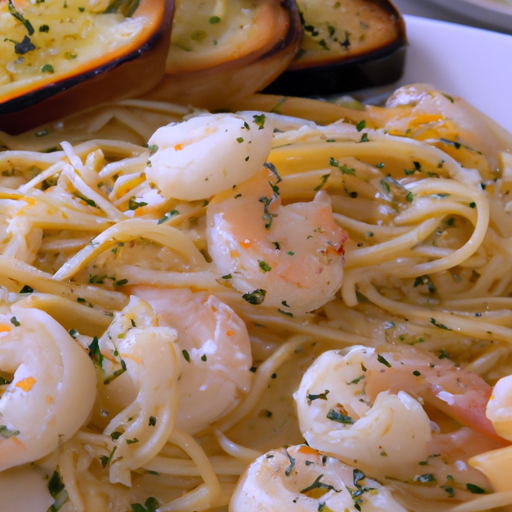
x=298, y=307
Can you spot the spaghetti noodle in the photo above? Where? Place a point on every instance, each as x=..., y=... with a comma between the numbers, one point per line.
x=377, y=246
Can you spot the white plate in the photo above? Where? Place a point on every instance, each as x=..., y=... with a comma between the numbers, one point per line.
x=495, y=12
x=463, y=61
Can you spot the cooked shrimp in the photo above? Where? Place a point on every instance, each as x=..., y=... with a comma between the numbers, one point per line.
x=302, y=479
x=53, y=387
x=142, y=369
x=499, y=407
x=496, y=464
x=423, y=113
x=289, y=257
x=208, y=154
x=366, y=406
x=216, y=351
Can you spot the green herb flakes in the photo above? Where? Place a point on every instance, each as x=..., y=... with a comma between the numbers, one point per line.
x=168, y=216
x=256, y=297
x=7, y=433
x=259, y=120
x=383, y=361
x=150, y=505
x=264, y=266
x=475, y=489
x=320, y=396
x=339, y=418
x=57, y=491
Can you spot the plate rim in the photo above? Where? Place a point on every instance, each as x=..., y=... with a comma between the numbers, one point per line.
x=454, y=72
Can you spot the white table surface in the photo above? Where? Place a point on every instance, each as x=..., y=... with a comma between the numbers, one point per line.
x=427, y=9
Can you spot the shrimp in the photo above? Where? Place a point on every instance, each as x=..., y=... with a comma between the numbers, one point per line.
x=141, y=373
x=52, y=389
x=216, y=351
x=290, y=257
x=499, y=407
x=208, y=154
x=496, y=464
x=302, y=479
x=367, y=406
x=426, y=114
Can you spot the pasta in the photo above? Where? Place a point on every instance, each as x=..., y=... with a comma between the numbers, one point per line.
x=318, y=327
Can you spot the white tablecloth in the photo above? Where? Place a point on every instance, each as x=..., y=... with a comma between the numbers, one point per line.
x=427, y=9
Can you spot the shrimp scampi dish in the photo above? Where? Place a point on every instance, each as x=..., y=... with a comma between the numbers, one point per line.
x=258, y=311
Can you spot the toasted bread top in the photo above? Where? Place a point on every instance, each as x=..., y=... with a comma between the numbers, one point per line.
x=337, y=29
x=207, y=33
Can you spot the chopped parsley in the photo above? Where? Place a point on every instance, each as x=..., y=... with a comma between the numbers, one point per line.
x=449, y=490
x=256, y=297
x=259, y=120
x=86, y=200
x=150, y=505
x=339, y=418
x=443, y=354
x=95, y=353
x=133, y=204
x=320, y=396
x=357, y=380
x=168, y=216
x=116, y=374
x=475, y=489
x=325, y=177
x=433, y=321
x=291, y=466
x=426, y=281
x=264, y=266
x=383, y=361
x=343, y=167
x=456, y=145
x=426, y=478
x=16, y=14
x=6, y=433
x=106, y=460
x=57, y=491
x=317, y=484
